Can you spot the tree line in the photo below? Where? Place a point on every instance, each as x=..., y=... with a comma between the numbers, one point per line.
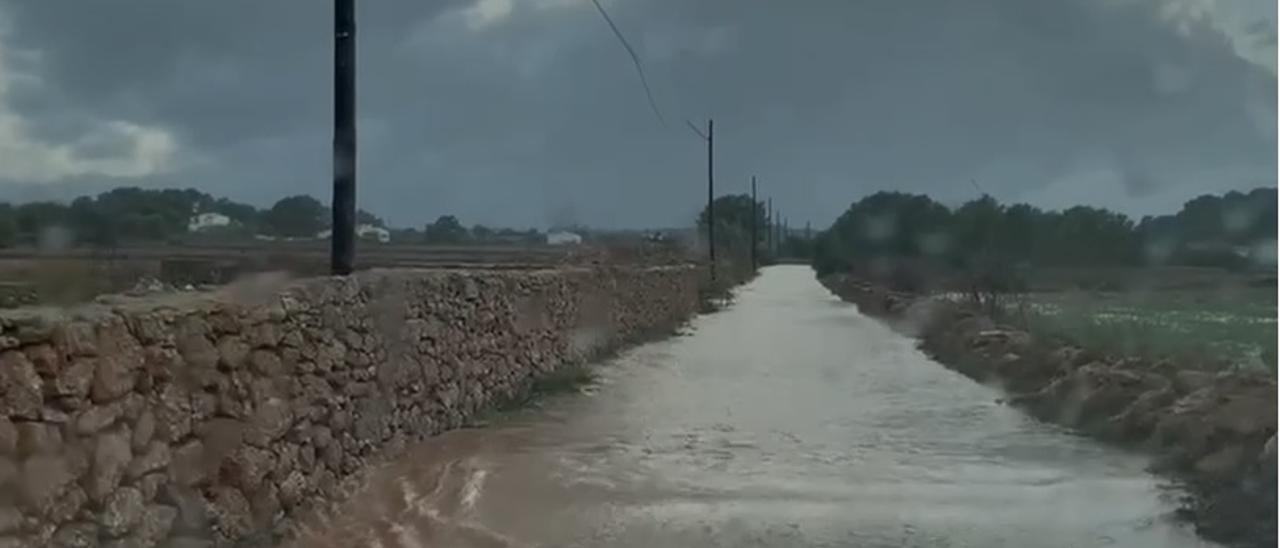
x=1235, y=231
x=136, y=215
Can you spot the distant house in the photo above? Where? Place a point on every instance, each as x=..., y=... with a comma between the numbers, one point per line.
x=205, y=221
x=378, y=233
x=375, y=232
x=563, y=238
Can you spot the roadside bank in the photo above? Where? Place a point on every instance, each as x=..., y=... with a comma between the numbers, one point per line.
x=1212, y=431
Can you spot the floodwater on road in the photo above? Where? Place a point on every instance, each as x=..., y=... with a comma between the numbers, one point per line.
x=787, y=419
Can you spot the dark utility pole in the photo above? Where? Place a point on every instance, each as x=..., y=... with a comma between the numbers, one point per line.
x=711, y=191
x=755, y=231
x=343, y=235
x=709, y=137
x=768, y=225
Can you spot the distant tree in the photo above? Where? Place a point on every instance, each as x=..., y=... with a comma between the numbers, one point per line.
x=977, y=232
x=147, y=215
x=8, y=226
x=35, y=219
x=445, y=230
x=365, y=218
x=1019, y=232
x=296, y=217
x=886, y=230
x=482, y=233
x=242, y=214
x=406, y=235
x=733, y=215
x=90, y=225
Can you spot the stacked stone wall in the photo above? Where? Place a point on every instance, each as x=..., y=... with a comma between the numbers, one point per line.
x=195, y=420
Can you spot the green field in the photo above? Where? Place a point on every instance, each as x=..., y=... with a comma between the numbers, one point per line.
x=1203, y=328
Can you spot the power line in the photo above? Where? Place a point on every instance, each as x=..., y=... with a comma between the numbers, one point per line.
x=635, y=60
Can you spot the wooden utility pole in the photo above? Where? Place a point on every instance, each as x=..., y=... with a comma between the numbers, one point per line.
x=343, y=234
x=709, y=137
x=780, y=240
x=768, y=225
x=755, y=231
x=711, y=191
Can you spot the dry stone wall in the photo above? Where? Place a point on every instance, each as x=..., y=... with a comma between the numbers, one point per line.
x=208, y=420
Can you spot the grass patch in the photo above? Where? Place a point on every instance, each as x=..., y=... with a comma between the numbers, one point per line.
x=1215, y=328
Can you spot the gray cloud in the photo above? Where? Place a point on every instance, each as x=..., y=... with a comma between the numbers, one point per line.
x=513, y=119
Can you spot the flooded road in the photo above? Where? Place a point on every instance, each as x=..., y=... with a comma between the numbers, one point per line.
x=788, y=419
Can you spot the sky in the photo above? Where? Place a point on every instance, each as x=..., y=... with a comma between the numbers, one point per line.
x=529, y=112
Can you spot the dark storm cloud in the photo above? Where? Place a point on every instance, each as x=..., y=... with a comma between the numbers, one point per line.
x=516, y=119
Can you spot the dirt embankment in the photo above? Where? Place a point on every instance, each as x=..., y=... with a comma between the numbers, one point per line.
x=1213, y=432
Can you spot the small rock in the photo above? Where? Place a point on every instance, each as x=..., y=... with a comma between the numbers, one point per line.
x=307, y=456
x=197, y=351
x=98, y=417
x=42, y=481
x=155, y=458
x=332, y=456
x=266, y=335
x=266, y=363
x=143, y=430
x=150, y=485
x=68, y=505
x=203, y=406
x=269, y=423
x=75, y=381
x=162, y=363
x=187, y=464
x=246, y=467
x=321, y=436
x=263, y=389
x=265, y=506
x=75, y=339
x=54, y=415
x=45, y=360
x=193, y=512
x=157, y=521
x=232, y=352
x=121, y=511
x=173, y=413
x=21, y=393
x=231, y=513
x=38, y=438
x=293, y=490
x=76, y=535
x=111, y=456
x=114, y=377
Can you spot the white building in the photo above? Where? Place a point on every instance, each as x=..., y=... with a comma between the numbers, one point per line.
x=204, y=221
x=376, y=232
x=362, y=231
x=563, y=238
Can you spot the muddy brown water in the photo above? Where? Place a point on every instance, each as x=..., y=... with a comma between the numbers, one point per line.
x=788, y=419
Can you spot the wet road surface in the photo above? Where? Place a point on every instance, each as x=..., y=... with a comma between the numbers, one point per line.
x=788, y=419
